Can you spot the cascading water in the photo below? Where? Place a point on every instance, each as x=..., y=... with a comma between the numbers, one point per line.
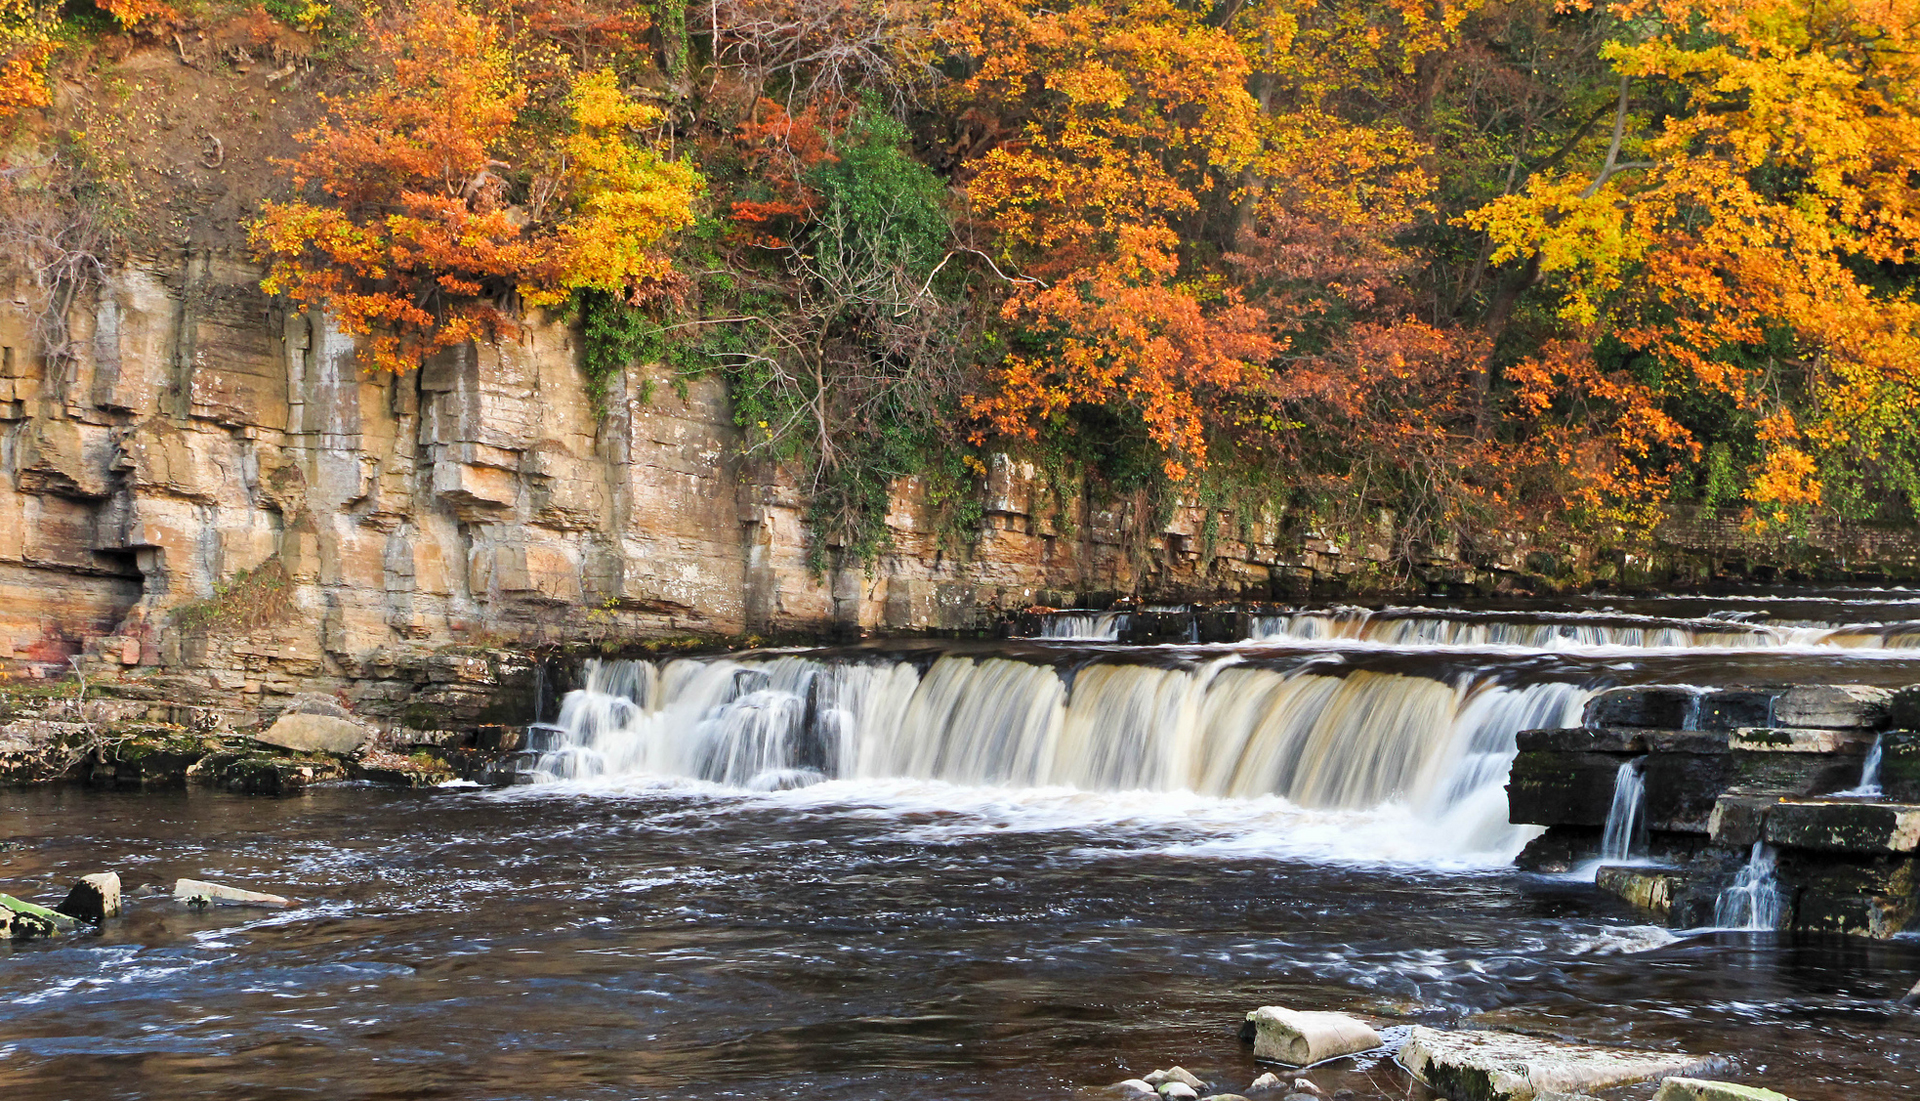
x=1219, y=729
x=1869, y=785
x=1557, y=631
x=1625, y=836
x=1753, y=902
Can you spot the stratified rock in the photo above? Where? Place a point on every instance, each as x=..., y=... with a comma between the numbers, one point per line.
x=1583, y=739
x=1502, y=1066
x=1699, y=1089
x=1296, y=1038
x=1658, y=707
x=21, y=920
x=1553, y=788
x=195, y=892
x=1740, y=817
x=306, y=733
x=1845, y=826
x=94, y=899
x=1832, y=706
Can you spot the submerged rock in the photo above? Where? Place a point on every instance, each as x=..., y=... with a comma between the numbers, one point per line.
x=22, y=920
x=1267, y=1081
x=1700, y=1089
x=1297, y=1038
x=196, y=892
x=94, y=899
x=1502, y=1066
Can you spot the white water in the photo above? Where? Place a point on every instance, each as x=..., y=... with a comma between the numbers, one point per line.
x=1557, y=631
x=1753, y=902
x=1626, y=819
x=1869, y=785
x=1367, y=765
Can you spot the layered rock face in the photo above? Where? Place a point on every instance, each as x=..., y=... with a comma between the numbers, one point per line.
x=209, y=484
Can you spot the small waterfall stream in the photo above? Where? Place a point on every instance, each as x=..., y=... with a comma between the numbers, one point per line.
x=1625, y=836
x=1753, y=902
x=1869, y=785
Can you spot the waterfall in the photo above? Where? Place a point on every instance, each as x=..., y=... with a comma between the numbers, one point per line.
x=1753, y=902
x=1869, y=785
x=1220, y=729
x=1626, y=819
x=1085, y=626
x=1537, y=630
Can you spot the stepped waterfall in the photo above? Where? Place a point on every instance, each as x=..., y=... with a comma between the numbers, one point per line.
x=1219, y=728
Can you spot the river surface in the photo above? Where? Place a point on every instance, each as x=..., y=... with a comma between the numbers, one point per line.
x=922, y=906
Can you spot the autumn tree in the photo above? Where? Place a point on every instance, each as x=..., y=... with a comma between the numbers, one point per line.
x=1747, y=227
x=419, y=235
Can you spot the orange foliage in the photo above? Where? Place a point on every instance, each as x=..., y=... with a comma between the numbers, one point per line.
x=782, y=148
x=135, y=13
x=1133, y=111
x=416, y=245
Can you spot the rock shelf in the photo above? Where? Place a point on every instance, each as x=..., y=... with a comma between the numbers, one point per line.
x=1731, y=773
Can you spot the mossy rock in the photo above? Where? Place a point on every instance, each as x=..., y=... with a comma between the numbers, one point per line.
x=250, y=772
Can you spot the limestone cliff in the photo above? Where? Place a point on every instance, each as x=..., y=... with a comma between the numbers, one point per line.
x=209, y=486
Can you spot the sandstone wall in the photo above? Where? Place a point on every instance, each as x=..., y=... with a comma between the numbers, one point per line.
x=212, y=487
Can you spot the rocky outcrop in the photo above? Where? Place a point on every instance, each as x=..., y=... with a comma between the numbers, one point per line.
x=1721, y=796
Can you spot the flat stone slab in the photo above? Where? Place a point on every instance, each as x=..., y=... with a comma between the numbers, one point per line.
x=194, y=891
x=314, y=734
x=1844, y=826
x=1300, y=1038
x=1740, y=817
x=1700, y=1089
x=1831, y=705
x=1503, y=1066
x=1784, y=739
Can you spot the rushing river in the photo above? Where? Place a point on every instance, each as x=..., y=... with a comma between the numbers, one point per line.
x=946, y=872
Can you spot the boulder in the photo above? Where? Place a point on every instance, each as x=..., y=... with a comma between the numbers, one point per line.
x=21, y=920
x=315, y=703
x=1271, y=1081
x=1179, y=1091
x=94, y=899
x=1133, y=1087
x=1181, y=1075
x=1503, y=1066
x=1699, y=1089
x=195, y=892
x=1298, y=1039
x=305, y=733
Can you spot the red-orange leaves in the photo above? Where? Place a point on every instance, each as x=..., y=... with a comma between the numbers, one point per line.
x=1134, y=113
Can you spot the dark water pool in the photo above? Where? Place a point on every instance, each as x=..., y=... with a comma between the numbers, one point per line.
x=468, y=944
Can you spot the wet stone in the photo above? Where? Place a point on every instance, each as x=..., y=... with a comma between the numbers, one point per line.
x=1179, y=1091
x=1650, y=889
x=1133, y=1087
x=22, y=920
x=194, y=892
x=1845, y=826
x=1832, y=706
x=1181, y=1075
x=1267, y=1081
x=1301, y=1038
x=1583, y=739
x=1699, y=1089
x=1562, y=789
x=1740, y=817
x=1900, y=763
x=1665, y=708
x=94, y=899
x=1499, y=1066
